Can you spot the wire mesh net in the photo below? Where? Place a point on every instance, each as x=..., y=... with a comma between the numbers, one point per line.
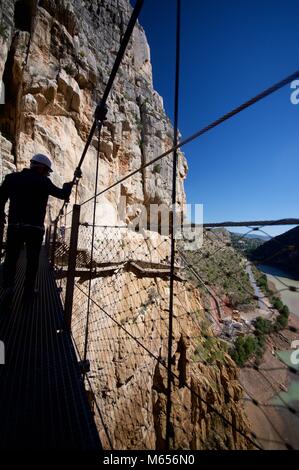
x=120, y=323
x=226, y=311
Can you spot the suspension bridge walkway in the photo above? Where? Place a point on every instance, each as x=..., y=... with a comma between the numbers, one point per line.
x=43, y=401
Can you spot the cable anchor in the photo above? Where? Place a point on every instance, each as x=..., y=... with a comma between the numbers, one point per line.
x=101, y=112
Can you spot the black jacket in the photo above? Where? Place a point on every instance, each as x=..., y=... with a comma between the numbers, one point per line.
x=28, y=193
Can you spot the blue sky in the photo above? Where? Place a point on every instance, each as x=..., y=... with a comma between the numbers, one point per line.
x=231, y=50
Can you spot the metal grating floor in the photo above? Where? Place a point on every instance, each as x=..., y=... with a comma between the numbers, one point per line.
x=43, y=404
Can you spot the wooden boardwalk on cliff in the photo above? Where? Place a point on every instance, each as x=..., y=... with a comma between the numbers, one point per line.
x=43, y=404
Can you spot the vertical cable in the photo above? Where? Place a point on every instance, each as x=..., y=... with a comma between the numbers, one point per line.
x=92, y=240
x=65, y=221
x=60, y=255
x=76, y=191
x=169, y=426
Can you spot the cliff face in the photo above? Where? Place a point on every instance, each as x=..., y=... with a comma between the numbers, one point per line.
x=55, y=59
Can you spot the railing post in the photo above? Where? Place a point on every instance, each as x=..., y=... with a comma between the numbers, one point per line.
x=47, y=239
x=70, y=282
x=1, y=237
x=53, y=249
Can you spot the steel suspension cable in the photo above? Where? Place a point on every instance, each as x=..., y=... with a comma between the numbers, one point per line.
x=169, y=426
x=290, y=221
x=205, y=129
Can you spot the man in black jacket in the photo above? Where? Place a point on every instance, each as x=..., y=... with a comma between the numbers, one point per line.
x=28, y=192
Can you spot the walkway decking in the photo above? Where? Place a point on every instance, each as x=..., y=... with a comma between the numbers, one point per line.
x=42, y=400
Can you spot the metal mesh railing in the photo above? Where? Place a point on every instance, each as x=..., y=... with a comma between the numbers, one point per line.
x=121, y=326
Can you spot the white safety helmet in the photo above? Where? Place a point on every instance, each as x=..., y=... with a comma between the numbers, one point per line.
x=43, y=160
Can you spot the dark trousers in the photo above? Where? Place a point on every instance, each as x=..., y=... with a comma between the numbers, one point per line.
x=16, y=238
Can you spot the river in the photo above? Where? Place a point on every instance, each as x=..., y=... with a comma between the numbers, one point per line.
x=282, y=281
x=257, y=291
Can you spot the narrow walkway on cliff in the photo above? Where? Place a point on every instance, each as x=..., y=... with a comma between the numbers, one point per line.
x=42, y=396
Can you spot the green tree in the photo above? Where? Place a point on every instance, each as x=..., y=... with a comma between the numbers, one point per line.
x=263, y=326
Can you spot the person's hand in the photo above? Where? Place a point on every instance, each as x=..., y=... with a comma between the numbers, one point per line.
x=78, y=173
x=67, y=187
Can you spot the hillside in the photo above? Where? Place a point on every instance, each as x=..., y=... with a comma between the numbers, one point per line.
x=282, y=251
x=220, y=266
x=246, y=244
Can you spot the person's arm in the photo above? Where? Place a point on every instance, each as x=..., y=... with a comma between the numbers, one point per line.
x=60, y=193
x=4, y=195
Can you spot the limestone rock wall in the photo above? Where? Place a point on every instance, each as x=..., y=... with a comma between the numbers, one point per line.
x=55, y=59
